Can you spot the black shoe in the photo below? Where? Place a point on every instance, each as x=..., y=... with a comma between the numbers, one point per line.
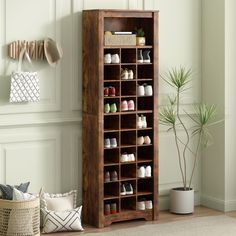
x=129, y=189
x=146, y=56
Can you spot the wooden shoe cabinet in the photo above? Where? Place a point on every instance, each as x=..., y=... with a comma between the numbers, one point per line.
x=121, y=125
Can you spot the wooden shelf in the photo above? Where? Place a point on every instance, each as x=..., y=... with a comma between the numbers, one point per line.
x=122, y=125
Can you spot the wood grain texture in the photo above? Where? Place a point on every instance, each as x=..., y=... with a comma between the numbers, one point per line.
x=121, y=125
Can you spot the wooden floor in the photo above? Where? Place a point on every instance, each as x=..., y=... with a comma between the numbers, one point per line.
x=164, y=217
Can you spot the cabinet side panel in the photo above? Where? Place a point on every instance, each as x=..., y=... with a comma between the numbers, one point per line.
x=155, y=113
x=92, y=184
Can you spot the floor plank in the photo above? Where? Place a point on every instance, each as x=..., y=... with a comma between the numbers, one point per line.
x=164, y=217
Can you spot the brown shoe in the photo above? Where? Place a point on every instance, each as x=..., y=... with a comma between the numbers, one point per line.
x=107, y=209
x=107, y=177
x=113, y=208
x=114, y=176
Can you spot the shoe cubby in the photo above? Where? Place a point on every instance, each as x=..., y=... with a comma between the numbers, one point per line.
x=128, y=138
x=149, y=120
x=111, y=72
x=128, y=172
x=128, y=121
x=128, y=204
x=126, y=111
x=145, y=154
x=145, y=186
x=109, y=85
x=128, y=89
x=110, y=170
x=111, y=207
x=111, y=123
x=145, y=71
x=111, y=156
x=111, y=190
x=128, y=182
x=145, y=103
x=128, y=55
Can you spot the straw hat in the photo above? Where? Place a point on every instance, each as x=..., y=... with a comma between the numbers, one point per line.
x=53, y=51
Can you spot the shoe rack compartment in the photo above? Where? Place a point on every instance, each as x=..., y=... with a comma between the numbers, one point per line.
x=116, y=85
x=128, y=138
x=111, y=202
x=128, y=204
x=145, y=186
x=111, y=123
x=128, y=121
x=145, y=103
x=145, y=154
x=111, y=190
x=111, y=156
x=111, y=72
x=128, y=172
x=119, y=127
x=128, y=55
x=145, y=71
x=128, y=89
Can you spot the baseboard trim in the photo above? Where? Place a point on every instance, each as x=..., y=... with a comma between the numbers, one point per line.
x=214, y=203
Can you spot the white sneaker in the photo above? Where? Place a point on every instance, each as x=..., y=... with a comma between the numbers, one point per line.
x=147, y=140
x=130, y=74
x=148, y=171
x=107, y=58
x=144, y=121
x=115, y=58
x=141, y=91
x=124, y=74
x=140, y=140
x=124, y=157
x=131, y=157
x=148, y=90
x=148, y=205
x=141, y=205
x=122, y=190
x=141, y=172
x=139, y=122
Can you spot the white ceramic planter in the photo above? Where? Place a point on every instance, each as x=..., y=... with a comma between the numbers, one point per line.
x=181, y=202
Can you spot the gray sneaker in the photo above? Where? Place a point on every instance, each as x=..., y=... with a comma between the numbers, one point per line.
x=113, y=142
x=107, y=143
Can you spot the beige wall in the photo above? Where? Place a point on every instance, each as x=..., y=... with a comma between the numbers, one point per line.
x=42, y=142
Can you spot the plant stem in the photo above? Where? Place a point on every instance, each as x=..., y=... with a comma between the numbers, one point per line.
x=178, y=150
x=195, y=158
x=187, y=142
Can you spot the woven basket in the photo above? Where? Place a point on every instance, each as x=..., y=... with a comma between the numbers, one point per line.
x=19, y=218
x=126, y=40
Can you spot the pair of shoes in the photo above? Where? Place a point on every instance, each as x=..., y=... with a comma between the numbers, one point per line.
x=144, y=57
x=127, y=74
x=145, y=90
x=110, y=143
x=127, y=106
x=127, y=157
x=108, y=177
x=141, y=122
x=109, y=91
x=110, y=208
x=144, y=171
x=126, y=189
x=110, y=108
x=143, y=140
x=144, y=205
x=111, y=58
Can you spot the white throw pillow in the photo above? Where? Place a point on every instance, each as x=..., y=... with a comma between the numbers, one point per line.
x=20, y=196
x=56, y=221
x=59, y=201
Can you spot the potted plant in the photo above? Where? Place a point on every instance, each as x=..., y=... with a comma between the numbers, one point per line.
x=140, y=39
x=182, y=198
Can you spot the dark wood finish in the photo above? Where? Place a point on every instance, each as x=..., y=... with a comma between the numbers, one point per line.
x=122, y=125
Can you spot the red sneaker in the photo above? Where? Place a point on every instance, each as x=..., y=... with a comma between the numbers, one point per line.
x=112, y=91
x=106, y=92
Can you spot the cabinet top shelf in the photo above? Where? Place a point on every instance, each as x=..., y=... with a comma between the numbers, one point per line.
x=127, y=46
